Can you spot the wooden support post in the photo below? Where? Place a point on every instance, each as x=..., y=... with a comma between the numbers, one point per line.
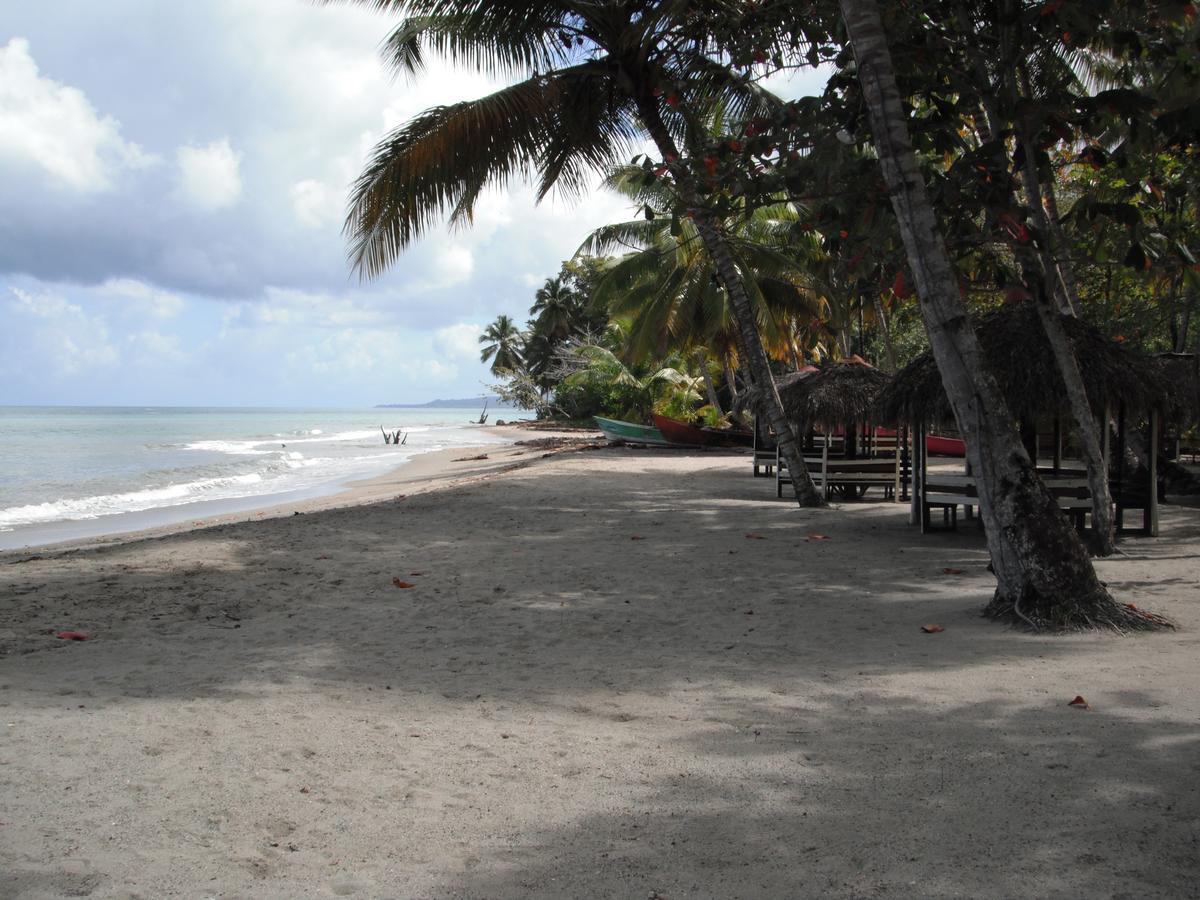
x=1058, y=442
x=1152, y=514
x=916, y=515
x=1119, y=478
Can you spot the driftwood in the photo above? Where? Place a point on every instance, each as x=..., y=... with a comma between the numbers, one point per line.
x=393, y=437
x=483, y=415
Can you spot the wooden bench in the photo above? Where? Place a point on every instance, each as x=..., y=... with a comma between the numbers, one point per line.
x=765, y=454
x=846, y=475
x=947, y=492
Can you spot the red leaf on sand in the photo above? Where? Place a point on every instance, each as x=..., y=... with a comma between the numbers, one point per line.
x=72, y=636
x=932, y=629
x=1079, y=703
x=636, y=537
x=754, y=536
x=951, y=571
x=401, y=584
x=818, y=537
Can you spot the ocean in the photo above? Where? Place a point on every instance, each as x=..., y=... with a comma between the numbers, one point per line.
x=73, y=472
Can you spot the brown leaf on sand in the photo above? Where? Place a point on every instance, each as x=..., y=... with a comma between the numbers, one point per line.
x=952, y=571
x=72, y=636
x=636, y=537
x=1079, y=703
x=932, y=629
x=401, y=584
x=818, y=537
x=754, y=536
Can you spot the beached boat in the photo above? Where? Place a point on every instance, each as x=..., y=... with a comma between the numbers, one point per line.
x=698, y=435
x=942, y=445
x=629, y=433
x=937, y=444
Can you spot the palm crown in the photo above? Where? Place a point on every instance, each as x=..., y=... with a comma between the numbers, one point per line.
x=591, y=71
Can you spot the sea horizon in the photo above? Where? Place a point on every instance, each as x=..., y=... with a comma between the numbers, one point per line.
x=79, y=471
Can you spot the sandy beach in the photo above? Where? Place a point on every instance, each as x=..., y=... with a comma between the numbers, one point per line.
x=603, y=673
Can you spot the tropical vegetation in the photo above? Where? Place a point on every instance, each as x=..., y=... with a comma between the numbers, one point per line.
x=962, y=155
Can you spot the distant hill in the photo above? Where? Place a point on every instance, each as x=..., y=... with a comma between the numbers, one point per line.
x=461, y=403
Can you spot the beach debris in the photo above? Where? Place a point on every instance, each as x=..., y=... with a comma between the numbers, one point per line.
x=72, y=636
x=754, y=536
x=932, y=628
x=393, y=437
x=952, y=571
x=416, y=573
x=305, y=790
x=1079, y=703
x=636, y=537
x=396, y=582
x=470, y=458
x=818, y=537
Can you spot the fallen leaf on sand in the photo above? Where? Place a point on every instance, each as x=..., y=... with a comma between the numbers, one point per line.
x=416, y=573
x=1079, y=703
x=401, y=584
x=72, y=636
x=636, y=537
x=755, y=536
x=932, y=629
x=952, y=571
x=818, y=537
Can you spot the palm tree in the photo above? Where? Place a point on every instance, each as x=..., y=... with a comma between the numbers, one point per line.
x=1042, y=568
x=503, y=340
x=599, y=77
x=555, y=309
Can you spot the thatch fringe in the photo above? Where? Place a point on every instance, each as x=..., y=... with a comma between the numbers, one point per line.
x=840, y=393
x=1017, y=352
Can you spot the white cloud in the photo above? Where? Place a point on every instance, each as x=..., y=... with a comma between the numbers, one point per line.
x=53, y=127
x=140, y=298
x=210, y=177
x=154, y=347
x=65, y=340
x=315, y=204
x=458, y=341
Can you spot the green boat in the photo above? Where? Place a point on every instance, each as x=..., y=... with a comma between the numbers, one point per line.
x=628, y=433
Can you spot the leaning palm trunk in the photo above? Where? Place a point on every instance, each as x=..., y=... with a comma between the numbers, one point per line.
x=1042, y=569
x=1064, y=358
x=1049, y=278
x=766, y=397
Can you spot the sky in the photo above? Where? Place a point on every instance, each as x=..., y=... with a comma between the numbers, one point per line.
x=173, y=179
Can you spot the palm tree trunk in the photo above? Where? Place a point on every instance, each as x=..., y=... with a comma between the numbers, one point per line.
x=1042, y=570
x=767, y=403
x=1064, y=357
x=709, y=387
x=885, y=331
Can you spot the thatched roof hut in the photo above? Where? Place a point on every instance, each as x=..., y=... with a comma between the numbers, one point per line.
x=840, y=393
x=1018, y=353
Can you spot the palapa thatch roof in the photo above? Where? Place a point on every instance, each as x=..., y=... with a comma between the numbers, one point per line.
x=1018, y=353
x=1182, y=375
x=837, y=394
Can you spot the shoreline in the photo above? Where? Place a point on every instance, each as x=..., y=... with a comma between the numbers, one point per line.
x=422, y=472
